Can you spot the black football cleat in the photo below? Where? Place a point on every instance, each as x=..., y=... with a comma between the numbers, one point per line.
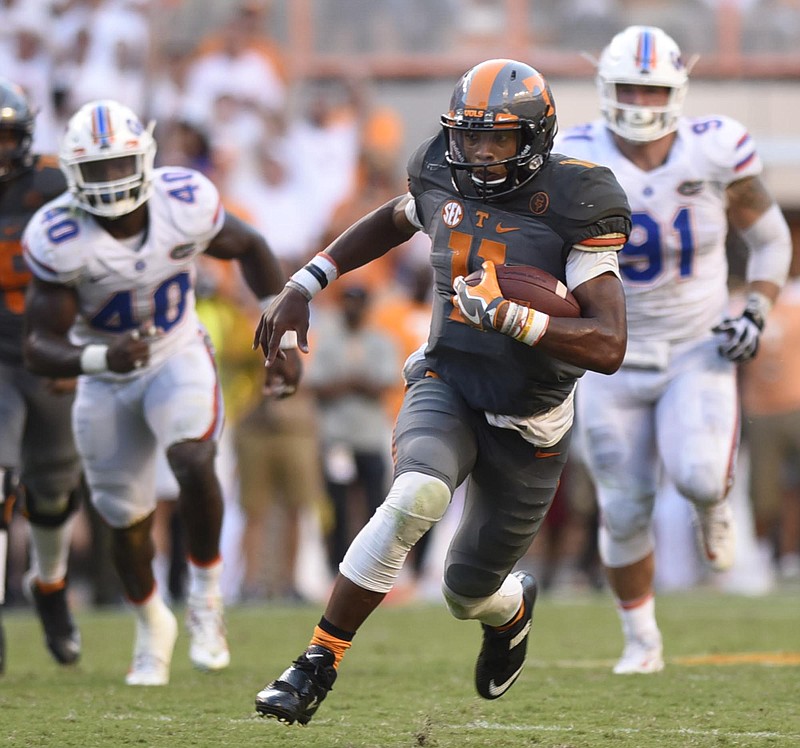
x=60, y=632
x=502, y=654
x=296, y=695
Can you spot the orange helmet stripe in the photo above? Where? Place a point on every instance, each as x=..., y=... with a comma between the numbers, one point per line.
x=480, y=87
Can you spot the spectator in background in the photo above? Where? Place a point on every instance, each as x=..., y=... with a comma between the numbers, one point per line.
x=103, y=49
x=280, y=479
x=186, y=144
x=167, y=87
x=376, y=177
x=234, y=64
x=350, y=373
x=27, y=59
x=770, y=386
x=278, y=188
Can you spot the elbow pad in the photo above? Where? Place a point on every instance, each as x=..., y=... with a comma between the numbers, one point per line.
x=769, y=242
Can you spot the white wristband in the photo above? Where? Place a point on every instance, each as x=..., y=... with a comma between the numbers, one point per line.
x=315, y=276
x=289, y=340
x=94, y=359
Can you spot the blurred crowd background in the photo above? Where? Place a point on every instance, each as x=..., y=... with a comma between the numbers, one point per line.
x=303, y=112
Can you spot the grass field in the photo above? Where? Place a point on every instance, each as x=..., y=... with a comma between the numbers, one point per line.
x=732, y=679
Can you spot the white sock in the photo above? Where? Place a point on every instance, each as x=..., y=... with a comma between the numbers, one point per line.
x=204, y=586
x=152, y=609
x=639, y=621
x=50, y=551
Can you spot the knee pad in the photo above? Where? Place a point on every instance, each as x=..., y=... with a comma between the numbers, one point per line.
x=494, y=610
x=415, y=503
x=52, y=511
x=700, y=484
x=625, y=534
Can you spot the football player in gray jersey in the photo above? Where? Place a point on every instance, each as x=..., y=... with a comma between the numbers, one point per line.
x=490, y=397
x=38, y=459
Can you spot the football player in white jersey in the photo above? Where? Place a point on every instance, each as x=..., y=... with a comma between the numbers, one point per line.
x=112, y=302
x=671, y=412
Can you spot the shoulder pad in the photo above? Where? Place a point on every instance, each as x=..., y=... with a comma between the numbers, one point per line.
x=727, y=145
x=49, y=180
x=190, y=201
x=584, y=192
x=425, y=161
x=50, y=242
x=585, y=200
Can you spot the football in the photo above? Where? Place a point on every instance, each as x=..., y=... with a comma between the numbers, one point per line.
x=533, y=287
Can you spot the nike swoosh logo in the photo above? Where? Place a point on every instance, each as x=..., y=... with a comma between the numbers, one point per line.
x=471, y=310
x=499, y=690
x=314, y=656
x=98, y=278
x=542, y=453
x=500, y=229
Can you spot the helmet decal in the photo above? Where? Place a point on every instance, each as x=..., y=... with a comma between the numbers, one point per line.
x=646, y=51
x=102, y=128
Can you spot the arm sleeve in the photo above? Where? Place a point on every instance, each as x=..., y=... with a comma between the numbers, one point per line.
x=583, y=266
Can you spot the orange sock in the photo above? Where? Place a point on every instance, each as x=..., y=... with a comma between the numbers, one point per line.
x=48, y=588
x=333, y=643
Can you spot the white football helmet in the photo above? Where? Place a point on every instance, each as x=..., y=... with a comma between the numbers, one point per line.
x=643, y=56
x=107, y=157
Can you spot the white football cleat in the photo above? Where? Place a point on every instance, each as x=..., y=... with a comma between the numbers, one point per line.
x=640, y=657
x=152, y=653
x=716, y=536
x=209, y=648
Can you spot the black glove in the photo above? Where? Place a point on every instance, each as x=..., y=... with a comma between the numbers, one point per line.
x=742, y=333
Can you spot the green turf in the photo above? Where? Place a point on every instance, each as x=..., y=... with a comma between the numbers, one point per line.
x=407, y=682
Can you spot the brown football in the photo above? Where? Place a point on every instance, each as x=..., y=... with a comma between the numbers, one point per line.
x=533, y=287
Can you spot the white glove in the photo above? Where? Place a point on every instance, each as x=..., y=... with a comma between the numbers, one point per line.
x=742, y=333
